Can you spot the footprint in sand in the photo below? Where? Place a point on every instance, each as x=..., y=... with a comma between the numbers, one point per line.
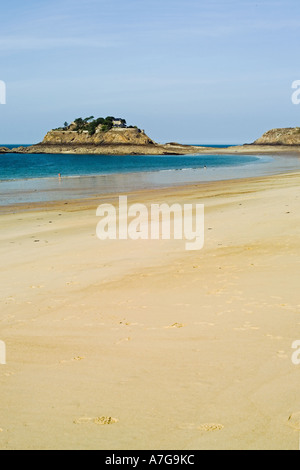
x=123, y=340
x=9, y=373
x=176, y=325
x=247, y=326
x=294, y=423
x=281, y=354
x=273, y=337
x=210, y=427
x=127, y=323
x=78, y=358
x=206, y=427
x=100, y=421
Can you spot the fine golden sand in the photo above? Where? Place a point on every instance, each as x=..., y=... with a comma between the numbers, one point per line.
x=143, y=345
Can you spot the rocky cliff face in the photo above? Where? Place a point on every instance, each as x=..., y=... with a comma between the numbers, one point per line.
x=133, y=141
x=112, y=137
x=286, y=136
x=116, y=141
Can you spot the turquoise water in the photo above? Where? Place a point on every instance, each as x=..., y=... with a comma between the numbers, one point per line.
x=26, y=179
x=16, y=166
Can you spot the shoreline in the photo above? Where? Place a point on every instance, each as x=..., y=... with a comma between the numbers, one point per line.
x=87, y=203
x=137, y=172
x=153, y=149
x=161, y=340
x=43, y=190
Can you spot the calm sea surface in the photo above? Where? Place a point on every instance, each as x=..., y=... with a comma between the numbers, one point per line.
x=34, y=178
x=16, y=166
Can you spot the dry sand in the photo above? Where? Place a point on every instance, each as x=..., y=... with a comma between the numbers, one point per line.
x=143, y=345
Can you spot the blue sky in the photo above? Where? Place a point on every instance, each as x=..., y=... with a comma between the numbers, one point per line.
x=192, y=71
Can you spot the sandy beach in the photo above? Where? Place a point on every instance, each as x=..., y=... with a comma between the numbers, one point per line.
x=129, y=344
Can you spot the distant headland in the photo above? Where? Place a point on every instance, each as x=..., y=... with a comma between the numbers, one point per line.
x=112, y=136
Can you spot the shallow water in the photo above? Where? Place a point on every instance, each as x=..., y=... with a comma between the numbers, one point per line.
x=34, y=178
x=18, y=166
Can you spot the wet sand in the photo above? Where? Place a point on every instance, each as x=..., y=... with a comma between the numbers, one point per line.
x=143, y=345
x=64, y=188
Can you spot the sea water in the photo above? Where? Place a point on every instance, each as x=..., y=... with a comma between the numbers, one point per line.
x=26, y=178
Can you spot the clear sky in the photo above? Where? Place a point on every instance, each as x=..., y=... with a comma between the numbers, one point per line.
x=192, y=71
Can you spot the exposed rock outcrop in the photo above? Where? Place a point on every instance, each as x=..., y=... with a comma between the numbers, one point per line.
x=116, y=141
x=114, y=136
x=285, y=136
x=133, y=141
x=4, y=150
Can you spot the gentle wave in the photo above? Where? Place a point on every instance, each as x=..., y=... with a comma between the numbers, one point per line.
x=97, y=175
x=31, y=166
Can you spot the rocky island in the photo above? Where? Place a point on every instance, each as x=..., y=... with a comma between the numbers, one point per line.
x=112, y=136
x=282, y=140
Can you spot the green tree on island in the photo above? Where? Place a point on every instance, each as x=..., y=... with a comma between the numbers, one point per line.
x=90, y=124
